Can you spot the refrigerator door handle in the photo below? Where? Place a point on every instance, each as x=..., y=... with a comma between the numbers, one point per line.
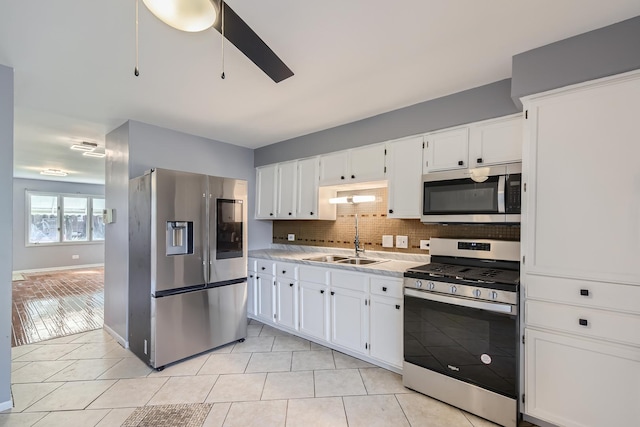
x=205, y=242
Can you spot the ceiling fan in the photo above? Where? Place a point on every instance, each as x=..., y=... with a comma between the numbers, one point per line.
x=199, y=15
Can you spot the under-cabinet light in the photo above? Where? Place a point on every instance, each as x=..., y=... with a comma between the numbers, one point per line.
x=351, y=199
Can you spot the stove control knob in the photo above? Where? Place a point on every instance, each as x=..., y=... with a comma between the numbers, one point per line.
x=432, y=286
x=494, y=295
x=418, y=284
x=477, y=293
x=453, y=289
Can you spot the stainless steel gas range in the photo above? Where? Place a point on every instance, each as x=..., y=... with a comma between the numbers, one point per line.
x=461, y=327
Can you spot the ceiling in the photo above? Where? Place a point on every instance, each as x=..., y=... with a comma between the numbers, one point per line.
x=74, y=62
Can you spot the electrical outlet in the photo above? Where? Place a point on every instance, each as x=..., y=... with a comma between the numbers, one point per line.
x=402, y=241
x=291, y=237
x=424, y=244
x=387, y=241
x=75, y=256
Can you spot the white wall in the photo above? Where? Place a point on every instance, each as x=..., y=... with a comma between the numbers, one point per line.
x=6, y=193
x=136, y=147
x=36, y=257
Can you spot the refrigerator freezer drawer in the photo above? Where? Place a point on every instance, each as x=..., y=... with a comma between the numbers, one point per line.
x=187, y=324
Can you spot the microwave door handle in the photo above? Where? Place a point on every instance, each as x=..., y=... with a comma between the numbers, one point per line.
x=501, y=188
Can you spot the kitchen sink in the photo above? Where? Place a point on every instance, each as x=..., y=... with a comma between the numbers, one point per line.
x=327, y=258
x=359, y=261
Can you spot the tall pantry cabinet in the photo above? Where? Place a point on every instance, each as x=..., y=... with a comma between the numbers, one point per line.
x=581, y=253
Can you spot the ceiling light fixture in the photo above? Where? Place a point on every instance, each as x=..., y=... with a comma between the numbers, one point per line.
x=184, y=15
x=85, y=146
x=53, y=172
x=351, y=199
x=93, y=154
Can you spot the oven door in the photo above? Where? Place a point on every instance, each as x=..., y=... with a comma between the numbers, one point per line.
x=472, y=341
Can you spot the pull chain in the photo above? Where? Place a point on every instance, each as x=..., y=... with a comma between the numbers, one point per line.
x=222, y=41
x=136, y=72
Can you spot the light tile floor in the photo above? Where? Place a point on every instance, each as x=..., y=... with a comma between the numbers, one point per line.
x=272, y=379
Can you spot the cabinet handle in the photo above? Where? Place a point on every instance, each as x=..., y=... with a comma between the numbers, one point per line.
x=257, y=277
x=390, y=210
x=270, y=213
x=310, y=213
x=583, y=322
x=353, y=177
x=460, y=163
x=289, y=213
x=262, y=268
x=342, y=177
x=479, y=160
x=584, y=292
x=397, y=307
x=284, y=271
x=251, y=276
x=333, y=293
x=384, y=289
x=322, y=291
x=291, y=284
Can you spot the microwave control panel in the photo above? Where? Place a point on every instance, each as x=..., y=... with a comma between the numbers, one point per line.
x=513, y=194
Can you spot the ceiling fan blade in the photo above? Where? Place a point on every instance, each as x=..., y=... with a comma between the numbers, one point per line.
x=244, y=38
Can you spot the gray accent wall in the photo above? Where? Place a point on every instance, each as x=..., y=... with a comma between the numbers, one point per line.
x=136, y=147
x=603, y=52
x=6, y=213
x=480, y=103
x=39, y=257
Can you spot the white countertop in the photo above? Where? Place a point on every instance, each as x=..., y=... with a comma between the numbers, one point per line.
x=394, y=264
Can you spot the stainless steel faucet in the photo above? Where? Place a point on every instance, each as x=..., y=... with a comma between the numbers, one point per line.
x=357, y=240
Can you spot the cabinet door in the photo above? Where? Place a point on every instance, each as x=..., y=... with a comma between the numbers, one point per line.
x=265, y=286
x=495, y=142
x=404, y=172
x=446, y=150
x=367, y=163
x=313, y=309
x=266, y=192
x=307, y=188
x=349, y=317
x=251, y=293
x=334, y=168
x=578, y=382
x=286, y=303
x=386, y=329
x=581, y=168
x=286, y=190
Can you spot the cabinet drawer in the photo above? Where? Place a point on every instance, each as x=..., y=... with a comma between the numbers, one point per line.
x=586, y=293
x=264, y=266
x=589, y=322
x=312, y=274
x=354, y=281
x=386, y=286
x=285, y=271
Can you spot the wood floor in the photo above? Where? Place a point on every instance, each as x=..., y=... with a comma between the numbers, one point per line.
x=58, y=303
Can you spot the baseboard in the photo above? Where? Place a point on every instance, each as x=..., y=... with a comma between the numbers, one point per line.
x=6, y=405
x=66, y=267
x=124, y=343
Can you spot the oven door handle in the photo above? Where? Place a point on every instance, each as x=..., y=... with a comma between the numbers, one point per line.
x=489, y=306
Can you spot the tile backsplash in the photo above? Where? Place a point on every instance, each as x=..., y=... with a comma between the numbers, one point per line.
x=373, y=224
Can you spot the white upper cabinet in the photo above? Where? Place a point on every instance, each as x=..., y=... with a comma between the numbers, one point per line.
x=351, y=166
x=495, y=141
x=266, y=192
x=307, y=188
x=446, y=150
x=404, y=173
x=286, y=190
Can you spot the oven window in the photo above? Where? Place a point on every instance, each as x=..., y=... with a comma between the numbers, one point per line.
x=461, y=196
x=472, y=345
x=229, y=229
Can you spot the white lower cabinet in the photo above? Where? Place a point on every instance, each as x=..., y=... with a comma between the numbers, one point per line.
x=251, y=293
x=385, y=333
x=575, y=382
x=313, y=309
x=286, y=307
x=265, y=284
x=349, y=318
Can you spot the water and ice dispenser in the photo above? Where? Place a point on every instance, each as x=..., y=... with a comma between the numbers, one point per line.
x=179, y=237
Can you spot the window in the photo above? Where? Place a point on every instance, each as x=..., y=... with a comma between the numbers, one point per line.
x=64, y=218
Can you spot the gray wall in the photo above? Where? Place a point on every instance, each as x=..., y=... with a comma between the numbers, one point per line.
x=36, y=257
x=603, y=52
x=481, y=103
x=6, y=183
x=136, y=147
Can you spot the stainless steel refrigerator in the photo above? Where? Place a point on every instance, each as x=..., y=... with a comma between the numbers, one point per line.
x=187, y=264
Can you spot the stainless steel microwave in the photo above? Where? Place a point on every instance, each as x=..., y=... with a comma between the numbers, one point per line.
x=482, y=195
